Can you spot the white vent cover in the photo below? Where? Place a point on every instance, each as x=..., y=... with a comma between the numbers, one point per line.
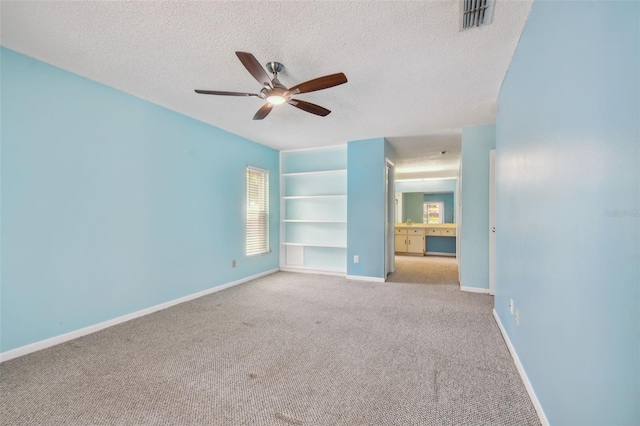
x=474, y=13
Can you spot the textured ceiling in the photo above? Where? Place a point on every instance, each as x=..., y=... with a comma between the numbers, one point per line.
x=411, y=72
x=435, y=155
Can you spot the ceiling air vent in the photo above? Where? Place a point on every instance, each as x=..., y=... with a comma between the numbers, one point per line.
x=475, y=13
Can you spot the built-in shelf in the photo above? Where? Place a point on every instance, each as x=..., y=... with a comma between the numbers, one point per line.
x=320, y=172
x=313, y=188
x=307, y=197
x=314, y=245
x=314, y=221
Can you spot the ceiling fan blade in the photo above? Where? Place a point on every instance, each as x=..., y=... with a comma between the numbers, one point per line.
x=217, y=92
x=309, y=107
x=263, y=112
x=255, y=69
x=320, y=83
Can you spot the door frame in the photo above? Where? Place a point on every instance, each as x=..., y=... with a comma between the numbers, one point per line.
x=389, y=217
x=458, y=221
x=492, y=221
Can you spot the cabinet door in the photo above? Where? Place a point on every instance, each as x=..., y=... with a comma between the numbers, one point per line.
x=401, y=243
x=416, y=244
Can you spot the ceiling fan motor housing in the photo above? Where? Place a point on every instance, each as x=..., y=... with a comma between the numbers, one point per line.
x=275, y=67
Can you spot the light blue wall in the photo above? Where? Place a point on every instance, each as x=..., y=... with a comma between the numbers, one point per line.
x=412, y=206
x=474, y=230
x=111, y=204
x=365, y=206
x=567, y=209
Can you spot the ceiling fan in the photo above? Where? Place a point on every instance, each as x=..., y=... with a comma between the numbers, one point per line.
x=275, y=93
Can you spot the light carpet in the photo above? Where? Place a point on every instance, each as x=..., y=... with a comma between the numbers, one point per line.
x=286, y=349
x=425, y=270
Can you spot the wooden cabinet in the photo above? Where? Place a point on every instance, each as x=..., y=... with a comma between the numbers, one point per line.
x=410, y=241
x=448, y=232
x=414, y=239
x=441, y=232
x=433, y=232
x=401, y=243
x=416, y=244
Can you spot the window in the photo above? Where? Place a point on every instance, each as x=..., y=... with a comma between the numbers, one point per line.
x=433, y=212
x=257, y=211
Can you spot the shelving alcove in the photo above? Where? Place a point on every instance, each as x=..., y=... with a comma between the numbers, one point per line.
x=313, y=223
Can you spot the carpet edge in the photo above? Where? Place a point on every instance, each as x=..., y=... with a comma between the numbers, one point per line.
x=62, y=338
x=523, y=374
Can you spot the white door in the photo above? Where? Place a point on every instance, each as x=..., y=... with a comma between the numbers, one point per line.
x=492, y=221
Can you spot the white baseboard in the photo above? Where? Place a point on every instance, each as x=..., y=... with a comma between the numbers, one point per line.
x=360, y=278
x=439, y=253
x=475, y=289
x=523, y=373
x=56, y=340
x=302, y=270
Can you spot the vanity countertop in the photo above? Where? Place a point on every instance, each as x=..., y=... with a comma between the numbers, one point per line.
x=426, y=225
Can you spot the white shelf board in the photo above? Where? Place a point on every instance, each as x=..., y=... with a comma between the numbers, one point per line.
x=302, y=197
x=320, y=172
x=313, y=221
x=315, y=245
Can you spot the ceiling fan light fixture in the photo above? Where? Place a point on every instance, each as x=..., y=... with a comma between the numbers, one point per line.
x=275, y=93
x=276, y=99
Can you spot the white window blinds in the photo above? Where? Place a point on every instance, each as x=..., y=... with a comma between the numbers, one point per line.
x=257, y=211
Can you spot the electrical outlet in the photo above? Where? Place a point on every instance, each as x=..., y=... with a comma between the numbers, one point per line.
x=233, y=263
x=356, y=259
x=511, y=306
x=517, y=316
